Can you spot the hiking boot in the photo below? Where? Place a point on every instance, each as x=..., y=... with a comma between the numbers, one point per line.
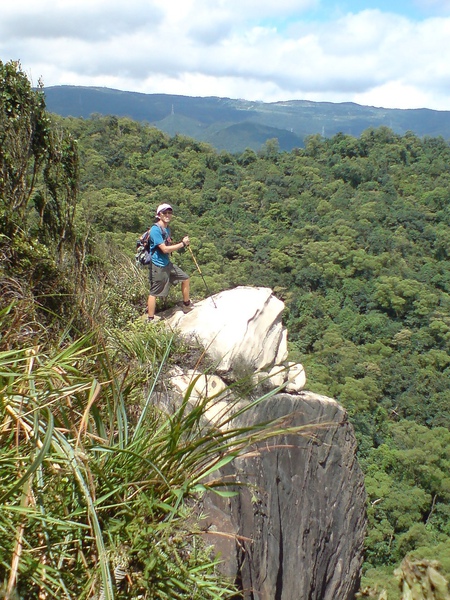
x=187, y=307
x=153, y=320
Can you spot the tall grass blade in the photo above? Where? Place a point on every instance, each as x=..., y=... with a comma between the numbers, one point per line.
x=147, y=404
x=66, y=450
x=37, y=462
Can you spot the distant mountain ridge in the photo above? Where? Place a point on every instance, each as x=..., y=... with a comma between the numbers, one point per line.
x=235, y=125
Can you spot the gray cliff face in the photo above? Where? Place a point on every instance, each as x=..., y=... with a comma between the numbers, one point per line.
x=300, y=520
x=295, y=530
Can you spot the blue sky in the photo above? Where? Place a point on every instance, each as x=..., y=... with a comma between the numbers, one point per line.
x=392, y=54
x=413, y=9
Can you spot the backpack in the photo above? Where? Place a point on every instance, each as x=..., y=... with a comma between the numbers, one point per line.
x=143, y=256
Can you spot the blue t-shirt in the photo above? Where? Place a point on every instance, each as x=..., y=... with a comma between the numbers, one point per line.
x=158, y=236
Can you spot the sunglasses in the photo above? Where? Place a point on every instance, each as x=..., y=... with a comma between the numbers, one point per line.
x=168, y=210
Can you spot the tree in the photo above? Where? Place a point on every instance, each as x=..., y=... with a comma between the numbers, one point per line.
x=38, y=191
x=38, y=161
x=24, y=140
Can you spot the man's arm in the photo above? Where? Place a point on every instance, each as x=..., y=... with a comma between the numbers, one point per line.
x=174, y=247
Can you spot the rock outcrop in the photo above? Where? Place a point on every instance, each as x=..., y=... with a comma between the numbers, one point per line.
x=299, y=518
x=295, y=530
x=242, y=329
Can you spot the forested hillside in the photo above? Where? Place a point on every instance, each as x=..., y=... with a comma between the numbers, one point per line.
x=234, y=125
x=353, y=234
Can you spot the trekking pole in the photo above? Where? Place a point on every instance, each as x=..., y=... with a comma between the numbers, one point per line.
x=201, y=274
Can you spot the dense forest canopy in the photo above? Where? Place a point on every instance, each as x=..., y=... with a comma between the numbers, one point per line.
x=352, y=233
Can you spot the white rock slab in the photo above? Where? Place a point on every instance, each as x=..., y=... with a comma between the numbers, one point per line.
x=205, y=386
x=238, y=325
x=296, y=378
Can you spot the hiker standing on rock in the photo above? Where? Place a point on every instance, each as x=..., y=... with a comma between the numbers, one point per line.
x=162, y=272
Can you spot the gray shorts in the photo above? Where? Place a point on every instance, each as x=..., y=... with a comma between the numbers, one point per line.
x=161, y=278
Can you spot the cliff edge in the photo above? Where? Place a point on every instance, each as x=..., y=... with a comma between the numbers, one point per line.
x=295, y=530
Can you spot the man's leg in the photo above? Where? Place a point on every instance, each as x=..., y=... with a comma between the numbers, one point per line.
x=187, y=304
x=151, y=306
x=177, y=275
x=185, y=290
x=156, y=279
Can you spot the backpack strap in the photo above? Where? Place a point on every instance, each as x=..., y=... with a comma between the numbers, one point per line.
x=144, y=240
x=165, y=234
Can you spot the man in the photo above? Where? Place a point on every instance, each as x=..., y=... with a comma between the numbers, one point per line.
x=162, y=272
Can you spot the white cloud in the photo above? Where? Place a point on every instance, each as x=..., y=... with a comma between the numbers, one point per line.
x=440, y=6
x=240, y=10
x=89, y=20
x=397, y=93
x=233, y=48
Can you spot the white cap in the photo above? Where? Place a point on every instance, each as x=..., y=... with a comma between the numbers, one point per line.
x=162, y=207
